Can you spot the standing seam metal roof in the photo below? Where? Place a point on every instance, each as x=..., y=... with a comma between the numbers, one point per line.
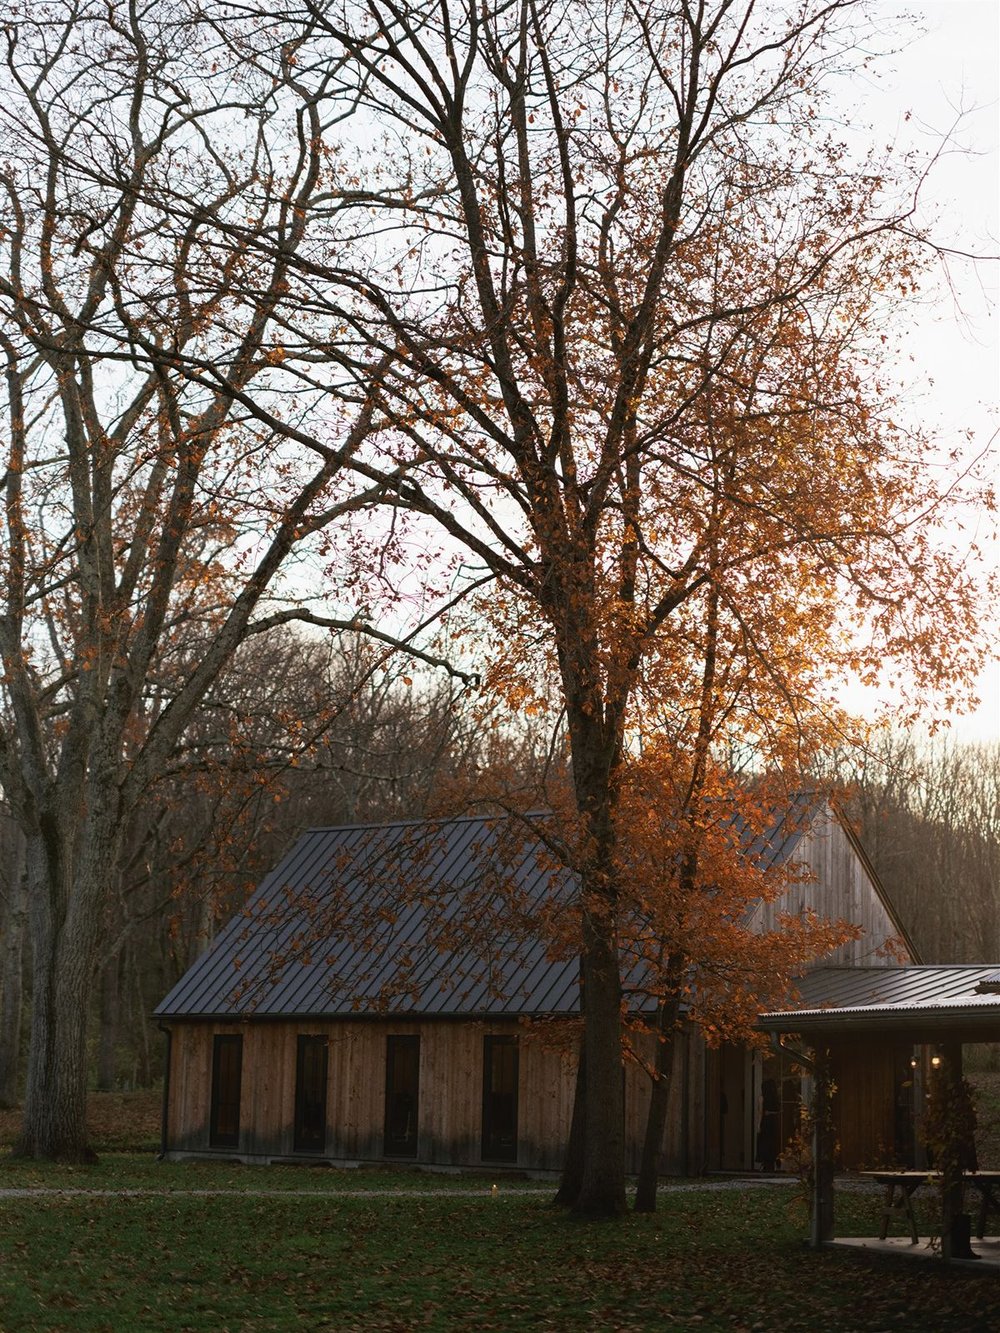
x=840, y=996
x=356, y=920
x=288, y=953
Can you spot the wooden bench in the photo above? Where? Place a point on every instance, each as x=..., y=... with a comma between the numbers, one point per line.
x=900, y=1187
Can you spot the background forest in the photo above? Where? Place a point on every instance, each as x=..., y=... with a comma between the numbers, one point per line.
x=304, y=733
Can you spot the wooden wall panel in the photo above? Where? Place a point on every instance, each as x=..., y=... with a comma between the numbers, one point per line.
x=683, y=1150
x=673, y=1157
x=548, y=1083
x=451, y=1070
x=696, y=1160
x=454, y=1093
x=263, y=1120
x=864, y=1104
x=450, y=1117
x=842, y=888
x=191, y=1083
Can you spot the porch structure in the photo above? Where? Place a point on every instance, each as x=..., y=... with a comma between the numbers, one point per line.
x=987, y=1251
x=935, y=1010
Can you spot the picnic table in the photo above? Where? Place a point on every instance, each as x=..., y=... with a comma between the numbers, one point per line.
x=900, y=1187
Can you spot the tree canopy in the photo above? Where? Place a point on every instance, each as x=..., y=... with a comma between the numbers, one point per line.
x=628, y=294
x=591, y=300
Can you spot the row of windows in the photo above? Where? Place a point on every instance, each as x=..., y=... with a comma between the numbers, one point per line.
x=401, y=1125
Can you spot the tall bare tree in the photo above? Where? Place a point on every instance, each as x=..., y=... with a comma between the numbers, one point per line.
x=628, y=293
x=146, y=522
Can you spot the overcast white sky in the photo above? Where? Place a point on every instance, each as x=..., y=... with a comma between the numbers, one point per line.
x=953, y=66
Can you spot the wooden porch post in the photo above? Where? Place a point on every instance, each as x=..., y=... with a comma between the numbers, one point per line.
x=954, y=1221
x=822, y=1149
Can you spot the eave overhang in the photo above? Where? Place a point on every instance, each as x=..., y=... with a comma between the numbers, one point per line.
x=928, y=1023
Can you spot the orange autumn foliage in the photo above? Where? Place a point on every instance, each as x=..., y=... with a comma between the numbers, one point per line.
x=696, y=877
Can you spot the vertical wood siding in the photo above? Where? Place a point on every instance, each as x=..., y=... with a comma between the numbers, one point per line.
x=451, y=1089
x=842, y=888
x=864, y=1104
x=684, y=1145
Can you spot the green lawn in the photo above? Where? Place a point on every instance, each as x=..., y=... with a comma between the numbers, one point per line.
x=708, y=1260
x=141, y=1171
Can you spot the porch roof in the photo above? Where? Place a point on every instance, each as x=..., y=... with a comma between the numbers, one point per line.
x=960, y=1002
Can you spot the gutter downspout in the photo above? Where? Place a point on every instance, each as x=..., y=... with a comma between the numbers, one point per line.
x=793, y=1052
x=168, y=1033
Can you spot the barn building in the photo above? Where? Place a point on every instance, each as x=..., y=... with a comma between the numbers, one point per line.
x=350, y=1014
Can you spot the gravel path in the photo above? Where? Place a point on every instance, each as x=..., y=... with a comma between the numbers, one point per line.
x=459, y=1192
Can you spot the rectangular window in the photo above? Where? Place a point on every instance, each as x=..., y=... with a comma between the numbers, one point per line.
x=310, y=1094
x=499, y=1099
x=402, y=1096
x=227, y=1073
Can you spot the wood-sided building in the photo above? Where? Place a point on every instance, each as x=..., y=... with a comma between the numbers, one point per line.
x=385, y=997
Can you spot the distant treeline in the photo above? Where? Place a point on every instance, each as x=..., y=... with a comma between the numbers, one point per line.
x=303, y=734
x=928, y=813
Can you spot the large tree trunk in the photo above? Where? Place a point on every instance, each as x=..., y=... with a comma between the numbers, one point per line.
x=602, y=1187
x=595, y=747
x=68, y=879
x=13, y=923
x=55, y=1098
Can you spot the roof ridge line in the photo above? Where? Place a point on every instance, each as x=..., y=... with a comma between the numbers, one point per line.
x=421, y=823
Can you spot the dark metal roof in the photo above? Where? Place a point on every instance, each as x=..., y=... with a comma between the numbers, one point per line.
x=777, y=843
x=894, y=999
x=374, y=919
x=434, y=918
